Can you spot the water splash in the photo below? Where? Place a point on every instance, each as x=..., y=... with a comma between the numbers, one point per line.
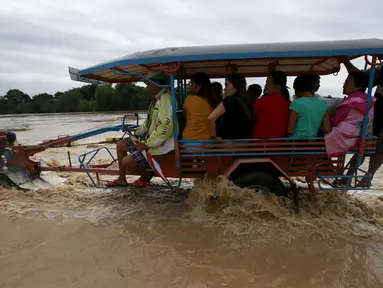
x=241, y=213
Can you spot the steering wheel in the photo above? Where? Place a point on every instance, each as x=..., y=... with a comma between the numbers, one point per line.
x=171, y=70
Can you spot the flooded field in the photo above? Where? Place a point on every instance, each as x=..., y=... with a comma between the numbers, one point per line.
x=78, y=236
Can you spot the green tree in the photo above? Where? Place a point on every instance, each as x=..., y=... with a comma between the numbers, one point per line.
x=105, y=98
x=87, y=98
x=41, y=103
x=88, y=91
x=4, y=107
x=15, y=96
x=131, y=97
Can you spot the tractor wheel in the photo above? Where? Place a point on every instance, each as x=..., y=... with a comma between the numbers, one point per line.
x=261, y=182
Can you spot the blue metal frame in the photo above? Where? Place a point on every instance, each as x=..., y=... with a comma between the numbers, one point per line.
x=181, y=88
x=224, y=56
x=178, y=185
x=246, y=141
x=81, y=159
x=174, y=108
x=348, y=184
x=259, y=154
x=348, y=179
x=255, y=140
x=95, y=132
x=151, y=187
x=140, y=75
x=368, y=106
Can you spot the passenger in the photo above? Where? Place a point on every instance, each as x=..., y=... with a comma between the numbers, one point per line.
x=156, y=136
x=272, y=109
x=217, y=90
x=236, y=111
x=315, y=80
x=376, y=160
x=198, y=106
x=254, y=91
x=348, y=117
x=307, y=113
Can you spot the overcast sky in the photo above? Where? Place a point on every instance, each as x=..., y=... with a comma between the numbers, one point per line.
x=39, y=39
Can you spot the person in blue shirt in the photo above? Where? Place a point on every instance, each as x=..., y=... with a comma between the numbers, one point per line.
x=308, y=113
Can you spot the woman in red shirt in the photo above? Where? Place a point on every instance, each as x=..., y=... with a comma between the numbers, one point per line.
x=272, y=109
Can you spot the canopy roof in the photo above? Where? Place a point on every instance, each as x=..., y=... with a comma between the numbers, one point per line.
x=251, y=60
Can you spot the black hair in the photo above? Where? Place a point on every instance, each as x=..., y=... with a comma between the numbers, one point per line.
x=239, y=83
x=279, y=78
x=254, y=91
x=217, y=89
x=303, y=83
x=360, y=80
x=313, y=77
x=206, y=90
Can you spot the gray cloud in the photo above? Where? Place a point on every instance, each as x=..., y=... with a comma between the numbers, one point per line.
x=39, y=39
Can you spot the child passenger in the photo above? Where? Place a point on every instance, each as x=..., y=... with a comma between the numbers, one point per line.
x=254, y=91
x=308, y=113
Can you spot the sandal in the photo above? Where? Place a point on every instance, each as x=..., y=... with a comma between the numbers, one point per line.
x=340, y=182
x=114, y=183
x=138, y=183
x=364, y=183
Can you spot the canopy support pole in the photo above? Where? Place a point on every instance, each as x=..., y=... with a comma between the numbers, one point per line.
x=366, y=117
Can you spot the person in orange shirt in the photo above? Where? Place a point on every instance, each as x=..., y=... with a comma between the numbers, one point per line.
x=198, y=106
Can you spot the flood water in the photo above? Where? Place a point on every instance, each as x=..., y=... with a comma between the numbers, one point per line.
x=79, y=236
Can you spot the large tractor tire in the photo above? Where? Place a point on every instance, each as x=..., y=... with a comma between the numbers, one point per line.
x=261, y=182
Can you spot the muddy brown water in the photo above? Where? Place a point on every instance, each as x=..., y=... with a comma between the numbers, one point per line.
x=77, y=236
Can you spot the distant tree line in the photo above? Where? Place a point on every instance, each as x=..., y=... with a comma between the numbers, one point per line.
x=89, y=98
